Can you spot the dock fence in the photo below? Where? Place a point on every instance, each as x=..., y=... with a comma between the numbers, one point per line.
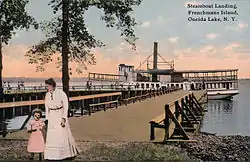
x=180, y=117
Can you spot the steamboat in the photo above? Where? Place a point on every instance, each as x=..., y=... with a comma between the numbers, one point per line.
x=219, y=83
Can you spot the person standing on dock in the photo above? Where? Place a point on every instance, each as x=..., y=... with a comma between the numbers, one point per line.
x=60, y=143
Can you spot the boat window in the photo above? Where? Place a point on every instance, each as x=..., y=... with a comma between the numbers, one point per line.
x=172, y=85
x=152, y=85
x=177, y=85
x=157, y=85
x=142, y=85
x=218, y=85
x=147, y=85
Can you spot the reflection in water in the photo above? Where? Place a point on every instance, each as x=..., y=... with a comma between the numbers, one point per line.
x=221, y=107
x=229, y=117
x=220, y=118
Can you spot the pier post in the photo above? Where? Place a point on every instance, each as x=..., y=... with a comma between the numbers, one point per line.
x=3, y=114
x=152, y=130
x=29, y=105
x=79, y=105
x=37, y=99
x=183, y=107
x=14, y=110
x=206, y=97
x=166, y=122
x=82, y=106
x=177, y=111
x=98, y=101
x=21, y=111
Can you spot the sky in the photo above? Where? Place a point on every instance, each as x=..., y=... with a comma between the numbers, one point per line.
x=192, y=45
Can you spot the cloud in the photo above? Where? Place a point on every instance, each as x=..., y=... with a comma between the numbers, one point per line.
x=15, y=51
x=124, y=51
x=160, y=19
x=216, y=52
x=239, y=27
x=206, y=49
x=145, y=24
x=232, y=46
x=212, y=36
x=204, y=57
x=213, y=57
x=242, y=25
x=173, y=39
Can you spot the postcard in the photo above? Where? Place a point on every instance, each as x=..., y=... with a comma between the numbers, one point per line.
x=124, y=80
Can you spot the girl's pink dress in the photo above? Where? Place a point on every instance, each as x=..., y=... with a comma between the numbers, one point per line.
x=36, y=142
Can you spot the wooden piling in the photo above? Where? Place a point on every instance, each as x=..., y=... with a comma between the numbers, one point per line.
x=14, y=109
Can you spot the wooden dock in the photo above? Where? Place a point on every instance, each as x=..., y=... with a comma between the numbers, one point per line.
x=127, y=123
x=91, y=102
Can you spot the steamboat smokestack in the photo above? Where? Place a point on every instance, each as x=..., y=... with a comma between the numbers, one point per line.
x=155, y=60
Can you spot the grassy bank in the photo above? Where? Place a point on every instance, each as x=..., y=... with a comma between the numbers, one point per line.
x=208, y=148
x=103, y=151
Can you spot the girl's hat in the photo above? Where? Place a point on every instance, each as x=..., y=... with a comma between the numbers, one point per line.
x=37, y=111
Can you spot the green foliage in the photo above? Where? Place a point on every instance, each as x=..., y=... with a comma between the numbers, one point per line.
x=14, y=16
x=117, y=13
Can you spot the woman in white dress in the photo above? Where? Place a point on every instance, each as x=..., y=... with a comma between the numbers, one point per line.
x=60, y=143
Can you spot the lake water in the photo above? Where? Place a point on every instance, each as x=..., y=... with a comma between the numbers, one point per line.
x=229, y=117
x=222, y=118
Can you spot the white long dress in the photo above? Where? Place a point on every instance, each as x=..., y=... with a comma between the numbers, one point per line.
x=60, y=143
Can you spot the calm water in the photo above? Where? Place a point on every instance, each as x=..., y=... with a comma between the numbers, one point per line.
x=229, y=117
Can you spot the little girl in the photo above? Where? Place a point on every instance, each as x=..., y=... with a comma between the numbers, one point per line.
x=36, y=142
